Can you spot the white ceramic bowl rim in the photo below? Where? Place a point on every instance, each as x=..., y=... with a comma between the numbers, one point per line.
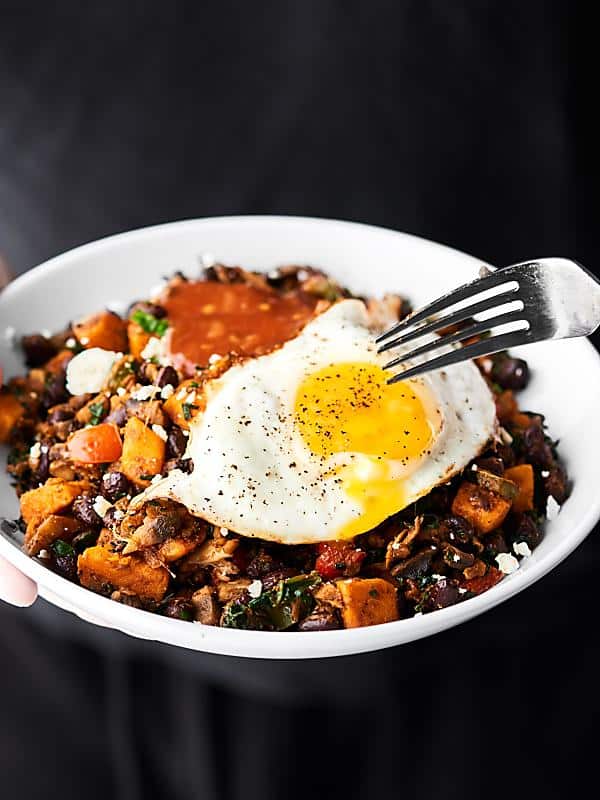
x=101, y=610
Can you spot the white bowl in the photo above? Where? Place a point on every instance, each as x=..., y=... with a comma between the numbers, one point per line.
x=565, y=387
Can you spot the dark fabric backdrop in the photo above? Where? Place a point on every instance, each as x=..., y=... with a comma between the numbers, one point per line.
x=469, y=123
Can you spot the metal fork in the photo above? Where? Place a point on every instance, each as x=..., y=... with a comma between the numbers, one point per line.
x=552, y=298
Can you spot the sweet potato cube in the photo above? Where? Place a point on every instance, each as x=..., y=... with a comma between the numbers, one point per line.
x=143, y=452
x=367, y=601
x=53, y=497
x=105, y=330
x=184, y=404
x=11, y=412
x=137, y=338
x=102, y=570
x=40, y=536
x=485, y=510
x=522, y=475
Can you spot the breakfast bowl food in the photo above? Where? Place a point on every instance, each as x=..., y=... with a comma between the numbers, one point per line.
x=224, y=448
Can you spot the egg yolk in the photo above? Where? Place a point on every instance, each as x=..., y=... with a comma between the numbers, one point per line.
x=350, y=408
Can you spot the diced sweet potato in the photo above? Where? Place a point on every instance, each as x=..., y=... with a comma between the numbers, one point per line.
x=105, y=330
x=54, y=496
x=367, y=601
x=506, y=406
x=11, y=412
x=184, y=404
x=484, y=582
x=101, y=570
x=522, y=475
x=143, y=452
x=485, y=510
x=40, y=536
x=137, y=338
x=174, y=549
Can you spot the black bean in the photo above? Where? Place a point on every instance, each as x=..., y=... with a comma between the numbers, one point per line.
x=63, y=559
x=84, y=540
x=496, y=543
x=38, y=350
x=537, y=447
x=176, y=443
x=115, y=485
x=83, y=510
x=527, y=530
x=262, y=564
x=507, y=454
x=60, y=414
x=491, y=464
x=557, y=484
x=510, y=373
x=42, y=472
x=166, y=376
x=413, y=567
x=146, y=372
x=179, y=608
x=185, y=465
x=320, y=621
x=112, y=517
x=441, y=595
x=271, y=579
x=55, y=390
x=456, y=529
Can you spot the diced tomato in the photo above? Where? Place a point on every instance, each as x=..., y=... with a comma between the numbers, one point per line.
x=485, y=582
x=337, y=559
x=100, y=444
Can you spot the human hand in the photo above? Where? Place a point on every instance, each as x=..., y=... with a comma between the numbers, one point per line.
x=15, y=587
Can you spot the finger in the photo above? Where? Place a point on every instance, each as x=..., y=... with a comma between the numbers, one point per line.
x=16, y=588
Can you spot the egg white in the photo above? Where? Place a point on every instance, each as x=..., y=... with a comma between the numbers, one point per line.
x=253, y=472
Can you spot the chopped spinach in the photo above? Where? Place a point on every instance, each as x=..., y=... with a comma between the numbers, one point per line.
x=149, y=323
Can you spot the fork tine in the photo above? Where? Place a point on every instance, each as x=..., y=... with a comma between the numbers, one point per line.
x=450, y=299
x=450, y=319
x=466, y=333
x=485, y=347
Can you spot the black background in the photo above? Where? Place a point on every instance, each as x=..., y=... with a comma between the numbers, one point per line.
x=469, y=123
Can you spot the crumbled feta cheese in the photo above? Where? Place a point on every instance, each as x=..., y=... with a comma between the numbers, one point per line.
x=44, y=553
x=474, y=467
x=47, y=334
x=118, y=514
x=71, y=342
x=255, y=589
x=36, y=451
x=461, y=590
x=167, y=391
x=224, y=531
x=303, y=275
x=273, y=274
x=522, y=549
x=121, y=391
x=157, y=290
x=160, y=432
x=545, y=473
x=455, y=558
x=207, y=260
x=504, y=435
x=214, y=358
x=84, y=340
x=145, y=393
x=101, y=505
x=190, y=399
x=552, y=508
x=507, y=563
x=181, y=394
x=88, y=370
x=186, y=433
x=438, y=577
x=152, y=349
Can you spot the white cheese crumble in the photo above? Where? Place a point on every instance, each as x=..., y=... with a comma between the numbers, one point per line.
x=36, y=451
x=522, y=549
x=145, y=393
x=255, y=589
x=88, y=370
x=84, y=340
x=224, y=531
x=507, y=563
x=207, y=260
x=44, y=554
x=545, y=473
x=121, y=391
x=181, y=393
x=71, y=342
x=214, y=358
x=101, y=506
x=438, y=577
x=461, y=590
x=167, y=391
x=552, y=508
x=160, y=432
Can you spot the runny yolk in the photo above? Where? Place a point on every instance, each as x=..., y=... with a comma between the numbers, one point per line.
x=350, y=408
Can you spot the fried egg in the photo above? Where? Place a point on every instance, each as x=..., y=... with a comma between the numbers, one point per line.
x=310, y=443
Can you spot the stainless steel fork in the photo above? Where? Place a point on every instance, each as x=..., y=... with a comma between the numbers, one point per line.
x=552, y=298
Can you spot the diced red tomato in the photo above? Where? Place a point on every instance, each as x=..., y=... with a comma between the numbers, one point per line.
x=100, y=444
x=338, y=559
